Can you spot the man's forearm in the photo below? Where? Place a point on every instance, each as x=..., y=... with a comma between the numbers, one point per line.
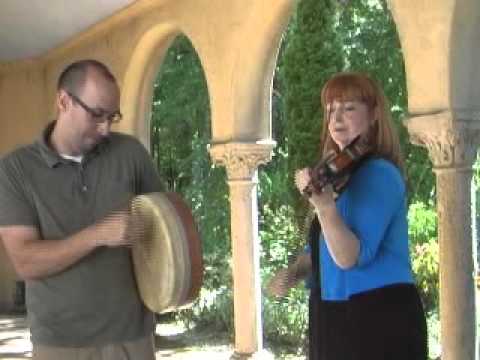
x=36, y=258
x=47, y=257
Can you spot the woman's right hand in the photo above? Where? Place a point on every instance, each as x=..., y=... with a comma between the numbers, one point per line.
x=281, y=283
x=289, y=277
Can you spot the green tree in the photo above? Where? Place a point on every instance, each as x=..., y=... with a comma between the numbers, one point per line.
x=180, y=110
x=180, y=131
x=310, y=56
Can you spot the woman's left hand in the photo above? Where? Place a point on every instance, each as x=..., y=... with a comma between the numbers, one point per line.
x=319, y=200
x=323, y=200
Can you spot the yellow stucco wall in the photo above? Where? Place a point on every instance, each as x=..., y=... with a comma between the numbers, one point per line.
x=237, y=45
x=22, y=114
x=440, y=46
x=21, y=105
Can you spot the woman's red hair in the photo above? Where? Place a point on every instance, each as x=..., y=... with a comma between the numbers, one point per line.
x=352, y=86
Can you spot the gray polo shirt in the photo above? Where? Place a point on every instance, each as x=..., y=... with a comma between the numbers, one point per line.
x=95, y=301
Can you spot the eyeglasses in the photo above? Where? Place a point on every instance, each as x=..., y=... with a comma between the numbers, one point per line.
x=98, y=115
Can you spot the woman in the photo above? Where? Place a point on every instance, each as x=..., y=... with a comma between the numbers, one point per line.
x=367, y=306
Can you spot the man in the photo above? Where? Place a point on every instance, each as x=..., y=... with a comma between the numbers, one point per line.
x=64, y=226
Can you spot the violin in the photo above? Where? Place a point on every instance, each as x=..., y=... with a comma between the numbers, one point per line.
x=336, y=168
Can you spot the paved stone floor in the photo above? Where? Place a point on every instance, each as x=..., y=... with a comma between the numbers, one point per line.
x=14, y=338
x=171, y=341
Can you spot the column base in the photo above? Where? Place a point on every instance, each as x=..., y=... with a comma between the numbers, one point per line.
x=259, y=355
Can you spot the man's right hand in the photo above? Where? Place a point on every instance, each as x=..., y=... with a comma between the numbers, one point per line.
x=34, y=257
x=114, y=230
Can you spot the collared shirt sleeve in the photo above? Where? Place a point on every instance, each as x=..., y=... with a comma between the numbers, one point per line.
x=15, y=209
x=147, y=178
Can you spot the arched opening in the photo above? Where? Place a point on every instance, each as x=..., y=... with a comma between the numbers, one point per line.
x=180, y=131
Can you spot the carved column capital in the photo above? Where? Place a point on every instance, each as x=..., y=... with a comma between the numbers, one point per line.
x=242, y=159
x=451, y=137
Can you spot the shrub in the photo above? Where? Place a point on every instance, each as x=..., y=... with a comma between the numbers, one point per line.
x=285, y=320
x=424, y=251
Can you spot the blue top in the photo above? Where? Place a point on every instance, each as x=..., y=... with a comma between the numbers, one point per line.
x=373, y=206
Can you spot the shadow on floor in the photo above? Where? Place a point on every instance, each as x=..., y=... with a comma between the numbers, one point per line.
x=14, y=337
x=15, y=355
x=194, y=340
x=170, y=341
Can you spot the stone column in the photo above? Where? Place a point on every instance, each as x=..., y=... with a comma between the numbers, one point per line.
x=452, y=140
x=241, y=161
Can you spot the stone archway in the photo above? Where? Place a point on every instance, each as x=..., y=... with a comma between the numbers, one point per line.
x=139, y=78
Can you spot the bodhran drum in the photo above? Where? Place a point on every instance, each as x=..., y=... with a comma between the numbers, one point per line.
x=168, y=257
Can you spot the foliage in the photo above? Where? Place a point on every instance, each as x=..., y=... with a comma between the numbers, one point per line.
x=425, y=252
x=422, y=219
x=214, y=307
x=181, y=112
x=284, y=320
x=310, y=56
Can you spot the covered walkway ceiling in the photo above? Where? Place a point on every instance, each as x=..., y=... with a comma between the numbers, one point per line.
x=29, y=28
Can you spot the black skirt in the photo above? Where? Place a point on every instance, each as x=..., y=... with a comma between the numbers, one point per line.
x=385, y=323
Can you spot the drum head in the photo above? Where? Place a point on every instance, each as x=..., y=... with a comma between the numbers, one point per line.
x=168, y=259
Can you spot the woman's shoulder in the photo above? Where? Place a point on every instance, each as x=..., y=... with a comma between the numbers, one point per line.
x=378, y=172
x=380, y=164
